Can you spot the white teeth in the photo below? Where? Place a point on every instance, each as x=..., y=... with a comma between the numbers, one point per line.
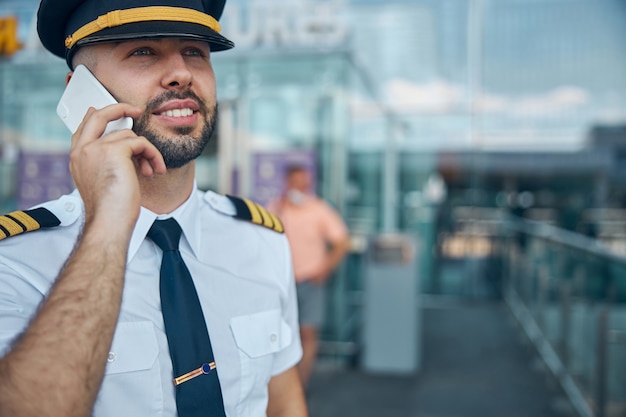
x=178, y=113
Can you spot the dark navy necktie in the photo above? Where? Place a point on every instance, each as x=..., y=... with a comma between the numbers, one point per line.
x=198, y=391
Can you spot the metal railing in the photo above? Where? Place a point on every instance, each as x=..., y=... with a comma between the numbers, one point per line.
x=568, y=293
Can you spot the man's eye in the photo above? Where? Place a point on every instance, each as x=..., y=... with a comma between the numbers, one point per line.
x=195, y=52
x=142, y=52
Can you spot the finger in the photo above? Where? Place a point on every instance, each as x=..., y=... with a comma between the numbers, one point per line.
x=118, y=135
x=145, y=168
x=145, y=152
x=126, y=144
x=95, y=121
x=79, y=130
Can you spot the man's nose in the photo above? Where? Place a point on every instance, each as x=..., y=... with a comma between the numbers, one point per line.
x=177, y=73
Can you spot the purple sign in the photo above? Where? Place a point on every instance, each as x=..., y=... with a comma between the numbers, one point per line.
x=269, y=172
x=42, y=177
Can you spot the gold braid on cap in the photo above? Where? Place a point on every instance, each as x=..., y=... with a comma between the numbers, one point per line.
x=142, y=14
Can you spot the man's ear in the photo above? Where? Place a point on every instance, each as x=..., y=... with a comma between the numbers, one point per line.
x=68, y=77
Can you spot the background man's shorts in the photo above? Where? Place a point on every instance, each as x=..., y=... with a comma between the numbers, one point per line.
x=311, y=303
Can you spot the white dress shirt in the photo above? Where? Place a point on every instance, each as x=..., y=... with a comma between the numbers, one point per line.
x=244, y=280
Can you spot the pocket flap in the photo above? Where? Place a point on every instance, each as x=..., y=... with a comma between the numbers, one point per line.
x=261, y=333
x=134, y=348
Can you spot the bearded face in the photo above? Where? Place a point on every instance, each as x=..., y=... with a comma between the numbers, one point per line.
x=178, y=145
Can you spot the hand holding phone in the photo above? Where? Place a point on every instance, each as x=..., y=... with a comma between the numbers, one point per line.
x=84, y=91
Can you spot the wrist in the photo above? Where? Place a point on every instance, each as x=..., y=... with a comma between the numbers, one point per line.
x=106, y=233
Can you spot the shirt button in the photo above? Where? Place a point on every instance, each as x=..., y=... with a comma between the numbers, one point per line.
x=111, y=357
x=273, y=338
x=69, y=206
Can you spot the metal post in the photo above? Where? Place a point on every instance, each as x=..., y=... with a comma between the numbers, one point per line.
x=602, y=361
x=542, y=297
x=514, y=274
x=526, y=273
x=566, y=319
x=390, y=177
x=510, y=283
x=475, y=39
x=226, y=148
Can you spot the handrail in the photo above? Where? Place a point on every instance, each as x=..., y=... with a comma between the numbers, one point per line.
x=563, y=237
x=532, y=280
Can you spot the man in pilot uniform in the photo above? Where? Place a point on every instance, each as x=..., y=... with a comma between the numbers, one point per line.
x=90, y=322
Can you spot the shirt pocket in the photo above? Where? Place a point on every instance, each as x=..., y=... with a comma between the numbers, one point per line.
x=132, y=380
x=258, y=337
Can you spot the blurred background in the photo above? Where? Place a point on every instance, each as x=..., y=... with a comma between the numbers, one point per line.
x=475, y=150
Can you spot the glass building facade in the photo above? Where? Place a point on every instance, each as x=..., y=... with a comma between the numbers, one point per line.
x=370, y=87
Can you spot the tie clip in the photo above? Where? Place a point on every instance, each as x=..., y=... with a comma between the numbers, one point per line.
x=203, y=370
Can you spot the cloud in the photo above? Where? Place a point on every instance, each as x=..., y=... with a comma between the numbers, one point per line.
x=434, y=97
x=363, y=107
x=555, y=101
x=439, y=96
x=491, y=103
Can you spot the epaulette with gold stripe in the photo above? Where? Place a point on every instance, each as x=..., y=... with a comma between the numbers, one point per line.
x=22, y=221
x=256, y=213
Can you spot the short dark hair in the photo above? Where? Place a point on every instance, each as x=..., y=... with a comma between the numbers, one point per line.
x=293, y=168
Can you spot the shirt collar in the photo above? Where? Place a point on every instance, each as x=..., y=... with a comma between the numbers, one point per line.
x=185, y=215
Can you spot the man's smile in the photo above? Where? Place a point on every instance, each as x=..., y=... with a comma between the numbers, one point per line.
x=177, y=113
x=181, y=110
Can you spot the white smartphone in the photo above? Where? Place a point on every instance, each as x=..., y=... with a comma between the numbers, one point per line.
x=84, y=91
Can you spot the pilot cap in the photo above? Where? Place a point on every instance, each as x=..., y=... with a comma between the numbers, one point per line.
x=66, y=25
